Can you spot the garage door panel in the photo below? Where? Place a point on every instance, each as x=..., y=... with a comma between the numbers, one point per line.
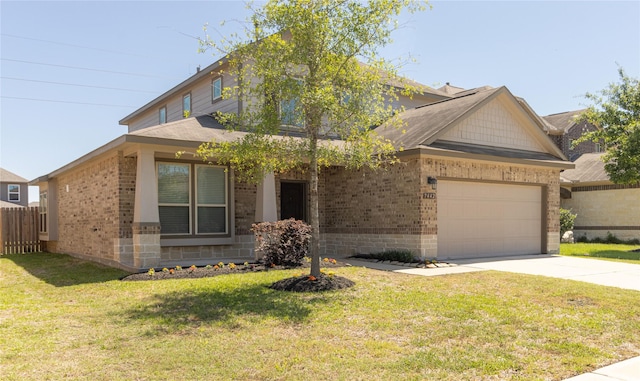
x=485, y=219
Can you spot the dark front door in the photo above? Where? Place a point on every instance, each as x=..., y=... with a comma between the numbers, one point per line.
x=293, y=198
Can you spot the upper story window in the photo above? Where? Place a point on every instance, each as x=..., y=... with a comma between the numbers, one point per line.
x=597, y=147
x=162, y=115
x=216, y=89
x=14, y=192
x=186, y=105
x=288, y=114
x=192, y=199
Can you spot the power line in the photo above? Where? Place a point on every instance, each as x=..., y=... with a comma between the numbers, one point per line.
x=67, y=102
x=72, y=45
x=83, y=68
x=79, y=85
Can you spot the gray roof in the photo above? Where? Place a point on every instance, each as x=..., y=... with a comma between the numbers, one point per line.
x=451, y=90
x=6, y=177
x=7, y=204
x=589, y=168
x=562, y=122
x=425, y=122
x=199, y=129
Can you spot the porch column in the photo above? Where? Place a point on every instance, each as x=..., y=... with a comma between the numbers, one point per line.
x=146, y=218
x=266, y=210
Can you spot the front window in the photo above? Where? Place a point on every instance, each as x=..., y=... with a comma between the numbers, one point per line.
x=216, y=89
x=163, y=115
x=186, y=105
x=43, y=212
x=192, y=199
x=14, y=192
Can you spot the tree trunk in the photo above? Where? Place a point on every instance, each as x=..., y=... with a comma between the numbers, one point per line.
x=314, y=218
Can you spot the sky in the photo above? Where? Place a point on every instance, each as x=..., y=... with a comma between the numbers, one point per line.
x=70, y=71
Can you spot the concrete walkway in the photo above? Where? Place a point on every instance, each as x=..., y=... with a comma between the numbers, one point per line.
x=606, y=273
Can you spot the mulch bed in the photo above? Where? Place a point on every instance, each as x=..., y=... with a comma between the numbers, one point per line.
x=325, y=282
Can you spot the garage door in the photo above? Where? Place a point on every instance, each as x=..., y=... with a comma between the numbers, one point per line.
x=486, y=220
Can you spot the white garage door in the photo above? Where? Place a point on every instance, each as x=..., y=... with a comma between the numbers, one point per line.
x=486, y=220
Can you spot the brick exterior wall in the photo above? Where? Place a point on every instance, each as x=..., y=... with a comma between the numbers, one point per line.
x=390, y=209
x=564, y=143
x=96, y=209
x=360, y=211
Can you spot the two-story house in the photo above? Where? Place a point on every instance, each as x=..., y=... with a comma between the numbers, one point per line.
x=14, y=190
x=478, y=177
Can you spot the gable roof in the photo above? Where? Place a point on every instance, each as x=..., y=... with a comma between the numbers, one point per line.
x=589, y=168
x=563, y=121
x=428, y=123
x=6, y=177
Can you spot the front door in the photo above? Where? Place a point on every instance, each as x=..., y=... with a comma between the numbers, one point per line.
x=293, y=196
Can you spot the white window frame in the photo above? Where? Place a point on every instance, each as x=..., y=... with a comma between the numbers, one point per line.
x=193, y=201
x=13, y=192
x=162, y=115
x=226, y=200
x=281, y=114
x=188, y=203
x=43, y=211
x=213, y=89
x=186, y=111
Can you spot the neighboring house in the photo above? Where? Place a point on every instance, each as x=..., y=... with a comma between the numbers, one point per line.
x=564, y=129
x=478, y=177
x=14, y=190
x=602, y=207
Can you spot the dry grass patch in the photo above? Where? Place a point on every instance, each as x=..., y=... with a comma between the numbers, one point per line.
x=56, y=322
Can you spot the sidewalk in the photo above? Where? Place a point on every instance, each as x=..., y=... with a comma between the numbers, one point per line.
x=627, y=370
x=561, y=267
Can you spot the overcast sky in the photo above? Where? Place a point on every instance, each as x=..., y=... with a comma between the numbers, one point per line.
x=71, y=70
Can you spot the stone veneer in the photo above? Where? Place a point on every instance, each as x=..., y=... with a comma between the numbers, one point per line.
x=605, y=209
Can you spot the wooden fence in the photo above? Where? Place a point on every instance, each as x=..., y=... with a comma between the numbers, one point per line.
x=19, y=230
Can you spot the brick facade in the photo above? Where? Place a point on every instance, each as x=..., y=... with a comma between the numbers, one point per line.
x=360, y=211
x=575, y=132
x=95, y=207
x=390, y=209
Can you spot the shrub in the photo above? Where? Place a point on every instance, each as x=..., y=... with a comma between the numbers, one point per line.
x=566, y=220
x=392, y=255
x=284, y=242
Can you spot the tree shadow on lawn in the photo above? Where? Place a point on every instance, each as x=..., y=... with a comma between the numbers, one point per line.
x=224, y=305
x=63, y=270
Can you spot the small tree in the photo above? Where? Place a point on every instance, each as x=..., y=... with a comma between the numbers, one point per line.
x=567, y=220
x=303, y=67
x=617, y=112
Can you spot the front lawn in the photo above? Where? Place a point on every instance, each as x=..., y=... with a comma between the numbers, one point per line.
x=62, y=318
x=608, y=251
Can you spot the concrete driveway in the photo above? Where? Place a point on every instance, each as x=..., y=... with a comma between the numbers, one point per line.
x=606, y=273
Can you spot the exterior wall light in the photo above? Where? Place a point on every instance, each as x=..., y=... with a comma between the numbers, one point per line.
x=433, y=182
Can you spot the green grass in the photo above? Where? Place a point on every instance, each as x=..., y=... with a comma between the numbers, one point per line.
x=615, y=252
x=61, y=318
